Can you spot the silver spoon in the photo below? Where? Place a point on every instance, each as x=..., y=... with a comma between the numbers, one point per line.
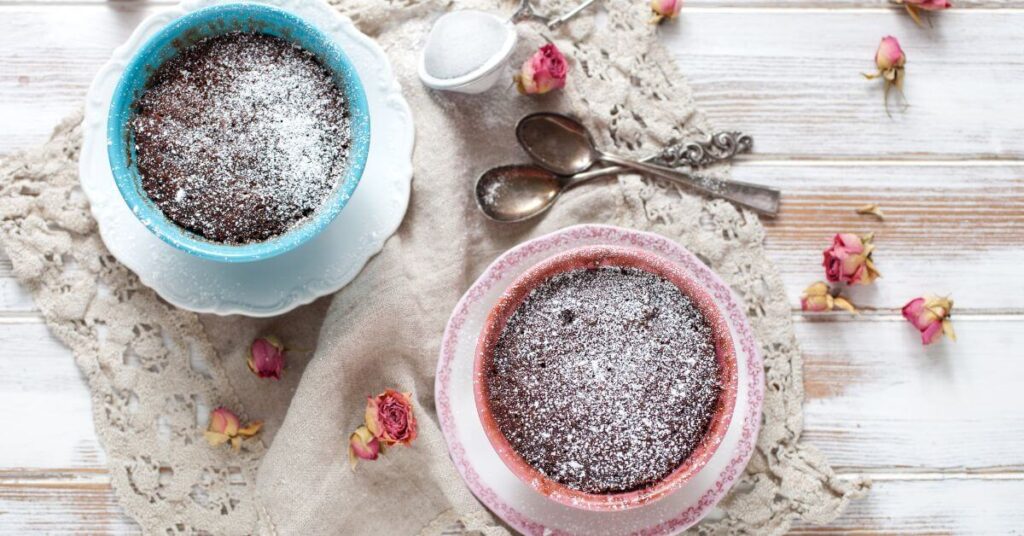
x=523, y=191
x=563, y=145
x=525, y=12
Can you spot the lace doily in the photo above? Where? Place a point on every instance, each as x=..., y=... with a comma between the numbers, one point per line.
x=155, y=371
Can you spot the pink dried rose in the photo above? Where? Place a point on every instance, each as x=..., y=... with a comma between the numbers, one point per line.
x=266, y=357
x=818, y=298
x=362, y=445
x=848, y=260
x=665, y=9
x=890, y=60
x=914, y=7
x=545, y=71
x=389, y=417
x=225, y=426
x=930, y=315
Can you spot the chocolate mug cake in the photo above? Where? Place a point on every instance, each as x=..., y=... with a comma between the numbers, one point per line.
x=240, y=137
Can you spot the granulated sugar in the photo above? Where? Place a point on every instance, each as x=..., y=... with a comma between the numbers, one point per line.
x=605, y=379
x=241, y=136
x=462, y=42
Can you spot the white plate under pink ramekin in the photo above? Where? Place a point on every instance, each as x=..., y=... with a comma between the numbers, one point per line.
x=498, y=488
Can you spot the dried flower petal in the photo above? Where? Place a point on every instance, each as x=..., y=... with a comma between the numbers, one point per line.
x=545, y=71
x=914, y=7
x=266, y=357
x=362, y=445
x=389, y=417
x=665, y=9
x=818, y=298
x=224, y=427
x=872, y=210
x=930, y=315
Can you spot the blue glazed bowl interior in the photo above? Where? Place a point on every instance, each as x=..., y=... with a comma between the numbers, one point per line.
x=180, y=34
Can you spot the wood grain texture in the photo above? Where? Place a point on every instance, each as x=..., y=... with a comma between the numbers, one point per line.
x=77, y=506
x=932, y=506
x=792, y=80
x=877, y=400
x=950, y=228
x=907, y=506
x=950, y=417
x=790, y=77
x=940, y=430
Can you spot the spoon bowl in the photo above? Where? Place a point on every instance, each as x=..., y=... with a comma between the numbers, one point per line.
x=557, y=143
x=517, y=192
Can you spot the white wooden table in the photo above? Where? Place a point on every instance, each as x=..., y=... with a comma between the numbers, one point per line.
x=940, y=431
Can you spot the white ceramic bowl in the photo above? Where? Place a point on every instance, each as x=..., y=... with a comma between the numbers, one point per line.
x=484, y=77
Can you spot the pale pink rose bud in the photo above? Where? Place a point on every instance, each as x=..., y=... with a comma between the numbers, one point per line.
x=266, y=357
x=930, y=315
x=225, y=426
x=665, y=9
x=890, y=60
x=848, y=260
x=889, y=54
x=389, y=417
x=362, y=446
x=545, y=71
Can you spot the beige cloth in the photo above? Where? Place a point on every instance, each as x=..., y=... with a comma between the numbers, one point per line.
x=155, y=371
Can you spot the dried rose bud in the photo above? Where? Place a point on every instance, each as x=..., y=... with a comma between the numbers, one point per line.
x=362, y=446
x=848, y=260
x=266, y=357
x=665, y=9
x=225, y=426
x=890, y=54
x=890, y=60
x=389, y=417
x=818, y=298
x=930, y=315
x=544, y=71
x=914, y=7
x=871, y=210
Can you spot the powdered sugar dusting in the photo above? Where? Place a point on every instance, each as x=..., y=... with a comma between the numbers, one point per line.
x=605, y=379
x=241, y=136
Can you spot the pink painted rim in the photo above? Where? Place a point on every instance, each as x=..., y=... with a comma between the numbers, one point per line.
x=753, y=364
x=595, y=257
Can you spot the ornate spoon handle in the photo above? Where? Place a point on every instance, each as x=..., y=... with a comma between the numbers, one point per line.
x=718, y=147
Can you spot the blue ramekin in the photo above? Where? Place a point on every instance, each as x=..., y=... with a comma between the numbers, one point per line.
x=181, y=33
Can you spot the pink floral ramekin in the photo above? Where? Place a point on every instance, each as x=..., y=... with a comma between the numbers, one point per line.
x=596, y=257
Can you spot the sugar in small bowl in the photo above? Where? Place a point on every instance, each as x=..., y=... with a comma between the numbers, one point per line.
x=466, y=51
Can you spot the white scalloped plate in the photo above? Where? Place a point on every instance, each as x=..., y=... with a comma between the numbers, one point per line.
x=518, y=504
x=273, y=286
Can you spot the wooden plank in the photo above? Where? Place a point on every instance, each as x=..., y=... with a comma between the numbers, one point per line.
x=950, y=228
x=76, y=507
x=47, y=416
x=932, y=506
x=788, y=76
x=48, y=57
x=877, y=399
x=789, y=4
x=792, y=79
x=929, y=504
